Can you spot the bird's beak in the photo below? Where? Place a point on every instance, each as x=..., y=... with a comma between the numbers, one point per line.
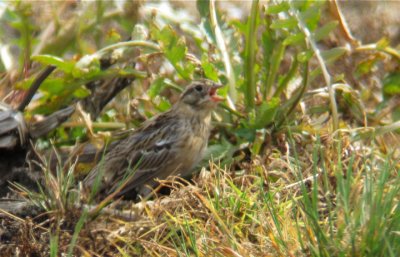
x=213, y=93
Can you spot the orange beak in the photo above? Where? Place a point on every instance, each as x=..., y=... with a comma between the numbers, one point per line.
x=213, y=93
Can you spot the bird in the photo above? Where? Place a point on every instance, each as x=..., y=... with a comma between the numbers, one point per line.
x=169, y=144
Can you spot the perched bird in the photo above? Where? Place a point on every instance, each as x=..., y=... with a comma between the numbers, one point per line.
x=171, y=143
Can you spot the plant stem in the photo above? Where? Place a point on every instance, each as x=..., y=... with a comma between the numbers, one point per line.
x=231, y=99
x=325, y=72
x=250, y=56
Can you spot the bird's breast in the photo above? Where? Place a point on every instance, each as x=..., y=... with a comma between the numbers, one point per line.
x=194, y=144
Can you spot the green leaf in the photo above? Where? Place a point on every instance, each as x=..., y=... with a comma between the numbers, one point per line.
x=248, y=134
x=156, y=88
x=87, y=67
x=266, y=113
x=305, y=56
x=277, y=8
x=174, y=47
x=333, y=54
x=294, y=39
x=382, y=43
x=130, y=72
x=209, y=70
x=240, y=26
x=55, y=61
x=164, y=105
x=53, y=86
x=391, y=84
x=367, y=65
x=203, y=6
x=82, y=92
x=311, y=16
x=290, y=23
x=324, y=31
x=251, y=47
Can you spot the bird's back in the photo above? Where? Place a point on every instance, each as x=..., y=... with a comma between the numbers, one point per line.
x=166, y=145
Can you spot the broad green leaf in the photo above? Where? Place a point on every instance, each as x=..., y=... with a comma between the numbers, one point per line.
x=247, y=134
x=218, y=151
x=53, y=86
x=266, y=113
x=55, y=61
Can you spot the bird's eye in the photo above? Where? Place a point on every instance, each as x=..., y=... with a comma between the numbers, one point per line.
x=199, y=88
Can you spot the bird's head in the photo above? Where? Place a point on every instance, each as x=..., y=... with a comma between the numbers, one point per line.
x=201, y=95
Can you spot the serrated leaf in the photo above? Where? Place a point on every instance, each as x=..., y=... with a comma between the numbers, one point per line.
x=209, y=70
x=174, y=47
x=55, y=61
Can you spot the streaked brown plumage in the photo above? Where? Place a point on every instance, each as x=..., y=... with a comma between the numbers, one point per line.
x=171, y=143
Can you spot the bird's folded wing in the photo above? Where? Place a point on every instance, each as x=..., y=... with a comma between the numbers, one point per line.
x=146, y=153
x=146, y=165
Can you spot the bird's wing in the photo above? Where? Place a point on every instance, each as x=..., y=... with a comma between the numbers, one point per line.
x=144, y=154
x=146, y=165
